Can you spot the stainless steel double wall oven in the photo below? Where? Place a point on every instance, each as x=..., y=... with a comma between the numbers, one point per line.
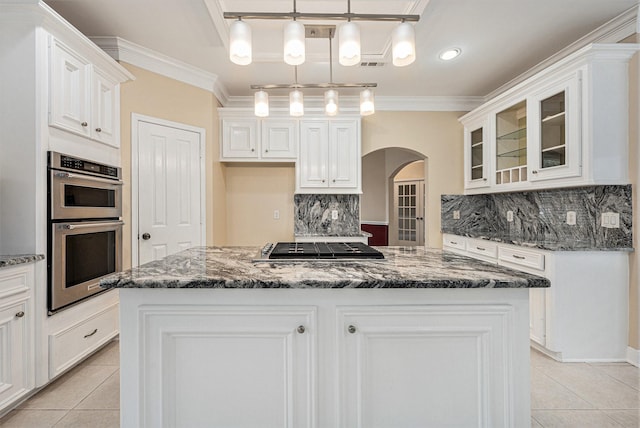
x=85, y=227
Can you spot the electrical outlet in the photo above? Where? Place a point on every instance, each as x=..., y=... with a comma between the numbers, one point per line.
x=334, y=214
x=509, y=216
x=276, y=215
x=610, y=220
x=571, y=218
x=456, y=215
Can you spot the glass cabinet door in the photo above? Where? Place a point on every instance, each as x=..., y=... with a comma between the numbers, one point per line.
x=477, y=154
x=552, y=131
x=511, y=144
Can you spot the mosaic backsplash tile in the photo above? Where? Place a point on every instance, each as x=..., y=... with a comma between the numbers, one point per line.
x=312, y=215
x=540, y=217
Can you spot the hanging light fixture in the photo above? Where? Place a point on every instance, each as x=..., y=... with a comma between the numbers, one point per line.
x=296, y=103
x=349, y=35
x=294, y=43
x=331, y=102
x=367, y=104
x=240, y=43
x=403, y=40
x=261, y=104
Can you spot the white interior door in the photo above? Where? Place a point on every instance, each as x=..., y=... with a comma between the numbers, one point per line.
x=169, y=190
x=409, y=209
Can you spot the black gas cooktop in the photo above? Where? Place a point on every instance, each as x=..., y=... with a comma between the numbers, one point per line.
x=319, y=251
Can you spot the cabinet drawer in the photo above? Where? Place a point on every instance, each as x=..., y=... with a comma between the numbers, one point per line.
x=454, y=241
x=15, y=280
x=521, y=257
x=482, y=248
x=72, y=344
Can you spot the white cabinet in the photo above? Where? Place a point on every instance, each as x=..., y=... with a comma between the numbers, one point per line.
x=16, y=333
x=565, y=126
x=249, y=139
x=329, y=159
x=328, y=358
x=83, y=99
x=583, y=316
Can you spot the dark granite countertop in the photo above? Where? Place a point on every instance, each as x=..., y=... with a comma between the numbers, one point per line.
x=573, y=245
x=403, y=267
x=18, y=259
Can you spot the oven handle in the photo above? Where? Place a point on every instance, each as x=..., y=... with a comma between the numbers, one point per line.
x=83, y=226
x=87, y=177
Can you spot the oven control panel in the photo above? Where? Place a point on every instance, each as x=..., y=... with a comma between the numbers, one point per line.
x=70, y=163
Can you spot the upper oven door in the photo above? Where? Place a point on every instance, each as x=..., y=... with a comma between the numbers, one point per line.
x=79, y=196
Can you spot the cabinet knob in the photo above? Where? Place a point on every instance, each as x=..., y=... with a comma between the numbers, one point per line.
x=334, y=180
x=98, y=129
x=84, y=124
x=300, y=329
x=253, y=150
x=323, y=181
x=484, y=179
x=20, y=314
x=351, y=329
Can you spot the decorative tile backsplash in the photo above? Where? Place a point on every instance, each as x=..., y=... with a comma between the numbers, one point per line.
x=313, y=215
x=540, y=217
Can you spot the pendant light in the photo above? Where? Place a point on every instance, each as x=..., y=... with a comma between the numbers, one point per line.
x=403, y=44
x=261, y=104
x=294, y=43
x=240, y=43
x=367, y=105
x=349, y=48
x=296, y=103
x=331, y=102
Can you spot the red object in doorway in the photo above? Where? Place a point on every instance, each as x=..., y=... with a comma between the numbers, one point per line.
x=380, y=233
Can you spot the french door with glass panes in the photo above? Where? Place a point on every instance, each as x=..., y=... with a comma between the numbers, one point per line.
x=409, y=209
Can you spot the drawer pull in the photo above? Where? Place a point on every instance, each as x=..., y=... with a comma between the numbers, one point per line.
x=20, y=314
x=91, y=334
x=518, y=257
x=481, y=249
x=453, y=242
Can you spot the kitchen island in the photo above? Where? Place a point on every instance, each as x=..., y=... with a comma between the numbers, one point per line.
x=210, y=337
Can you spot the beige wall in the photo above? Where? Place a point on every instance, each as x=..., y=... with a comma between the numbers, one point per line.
x=158, y=96
x=413, y=171
x=436, y=135
x=373, y=203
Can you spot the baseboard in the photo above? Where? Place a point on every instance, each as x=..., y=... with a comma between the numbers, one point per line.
x=633, y=356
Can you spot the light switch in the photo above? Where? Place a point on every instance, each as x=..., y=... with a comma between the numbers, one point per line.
x=334, y=214
x=456, y=215
x=509, y=216
x=571, y=218
x=276, y=215
x=610, y=220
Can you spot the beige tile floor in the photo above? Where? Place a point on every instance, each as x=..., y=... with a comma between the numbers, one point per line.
x=563, y=395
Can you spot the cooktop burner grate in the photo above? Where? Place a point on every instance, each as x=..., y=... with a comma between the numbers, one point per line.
x=322, y=250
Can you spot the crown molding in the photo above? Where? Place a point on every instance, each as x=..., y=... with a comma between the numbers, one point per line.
x=131, y=53
x=613, y=31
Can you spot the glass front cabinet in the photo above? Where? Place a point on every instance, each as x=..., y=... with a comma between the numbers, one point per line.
x=476, y=155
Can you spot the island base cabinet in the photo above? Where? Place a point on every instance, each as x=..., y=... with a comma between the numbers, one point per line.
x=348, y=358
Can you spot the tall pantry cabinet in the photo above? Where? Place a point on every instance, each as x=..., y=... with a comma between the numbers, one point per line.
x=58, y=92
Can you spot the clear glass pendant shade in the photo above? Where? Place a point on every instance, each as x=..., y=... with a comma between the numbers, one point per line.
x=240, y=43
x=403, y=44
x=349, y=44
x=296, y=103
x=294, y=43
x=367, y=105
x=331, y=102
x=261, y=104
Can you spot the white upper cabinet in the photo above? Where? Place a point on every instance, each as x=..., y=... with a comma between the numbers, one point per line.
x=565, y=126
x=330, y=156
x=250, y=139
x=83, y=99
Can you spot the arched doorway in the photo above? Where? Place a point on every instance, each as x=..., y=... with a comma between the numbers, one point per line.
x=377, y=213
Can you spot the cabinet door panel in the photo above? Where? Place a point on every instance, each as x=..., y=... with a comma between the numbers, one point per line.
x=313, y=160
x=254, y=365
x=240, y=138
x=398, y=364
x=69, y=98
x=104, y=109
x=14, y=353
x=279, y=139
x=344, y=154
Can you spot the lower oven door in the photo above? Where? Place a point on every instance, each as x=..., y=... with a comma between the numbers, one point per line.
x=81, y=254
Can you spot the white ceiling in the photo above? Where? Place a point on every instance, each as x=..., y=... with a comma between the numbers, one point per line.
x=500, y=39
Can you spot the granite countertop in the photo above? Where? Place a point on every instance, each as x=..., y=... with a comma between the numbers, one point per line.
x=573, y=245
x=18, y=259
x=403, y=267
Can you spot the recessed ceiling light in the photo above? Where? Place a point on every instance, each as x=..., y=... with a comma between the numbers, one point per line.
x=450, y=54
